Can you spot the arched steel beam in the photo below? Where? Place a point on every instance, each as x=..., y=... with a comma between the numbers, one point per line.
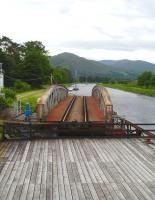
x=48, y=100
x=102, y=96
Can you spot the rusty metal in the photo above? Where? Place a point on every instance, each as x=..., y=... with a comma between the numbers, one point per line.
x=85, y=110
x=133, y=128
x=68, y=110
x=16, y=130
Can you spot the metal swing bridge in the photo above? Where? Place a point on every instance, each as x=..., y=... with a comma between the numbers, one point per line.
x=60, y=115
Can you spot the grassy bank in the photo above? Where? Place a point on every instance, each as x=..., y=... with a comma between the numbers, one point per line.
x=132, y=87
x=30, y=97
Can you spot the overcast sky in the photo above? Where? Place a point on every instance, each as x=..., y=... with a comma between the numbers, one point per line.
x=95, y=29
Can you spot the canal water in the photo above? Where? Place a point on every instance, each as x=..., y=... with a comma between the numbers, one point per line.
x=134, y=107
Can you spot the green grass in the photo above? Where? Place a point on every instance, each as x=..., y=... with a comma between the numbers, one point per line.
x=132, y=87
x=30, y=97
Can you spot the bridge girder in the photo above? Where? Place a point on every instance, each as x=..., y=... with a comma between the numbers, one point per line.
x=51, y=98
x=102, y=96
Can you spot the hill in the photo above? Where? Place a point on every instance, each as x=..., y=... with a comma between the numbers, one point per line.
x=85, y=67
x=133, y=66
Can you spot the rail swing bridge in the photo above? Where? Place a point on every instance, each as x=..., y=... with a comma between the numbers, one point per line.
x=92, y=152
x=59, y=114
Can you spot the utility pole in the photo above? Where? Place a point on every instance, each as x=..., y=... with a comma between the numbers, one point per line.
x=76, y=76
x=1, y=77
x=51, y=79
x=1, y=80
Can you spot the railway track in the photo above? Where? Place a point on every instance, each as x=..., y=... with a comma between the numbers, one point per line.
x=85, y=110
x=82, y=109
x=68, y=110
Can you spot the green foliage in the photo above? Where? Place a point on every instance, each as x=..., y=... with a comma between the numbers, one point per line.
x=21, y=86
x=9, y=93
x=28, y=62
x=61, y=75
x=30, y=97
x=8, y=99
x=153, y=80
x=35, y=67
x=121, y=69
x=85, y=67
x=132, y=87
x=27, y=65
x=146, y=79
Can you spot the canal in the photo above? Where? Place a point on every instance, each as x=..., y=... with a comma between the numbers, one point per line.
x=134, y=107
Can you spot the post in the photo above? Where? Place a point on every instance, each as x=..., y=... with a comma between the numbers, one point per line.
x=51, y=79
x=1, y=77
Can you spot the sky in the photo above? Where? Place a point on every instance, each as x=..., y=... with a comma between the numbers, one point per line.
x=95, y=29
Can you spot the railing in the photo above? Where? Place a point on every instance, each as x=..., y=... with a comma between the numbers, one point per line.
x=134, y=128
x=122, y=128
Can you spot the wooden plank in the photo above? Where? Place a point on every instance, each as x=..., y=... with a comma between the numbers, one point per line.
x=44, y=194
x=30, y=181
x=68, y=193
x=77, y=169
x=55, y=189
x=69, y=159
x=62, y=194
x=81, y=177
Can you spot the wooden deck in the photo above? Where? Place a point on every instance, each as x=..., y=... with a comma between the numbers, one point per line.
x=77, y=169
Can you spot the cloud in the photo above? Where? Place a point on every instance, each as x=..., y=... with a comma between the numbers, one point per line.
x=120, y=45
x=84, y=26
x=141, y=7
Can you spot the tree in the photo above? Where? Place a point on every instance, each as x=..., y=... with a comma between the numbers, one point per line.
x=9, y=65
x=35, y=68
x=11, y=48
x=35, y=45
x=28, y=63
x=145, y=78
x=61, y=75
x=153, y=80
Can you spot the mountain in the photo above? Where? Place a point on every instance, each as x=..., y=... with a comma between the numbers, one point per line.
x=134, y=66
x=120, y=69
x=85, y=67
x=108, y=62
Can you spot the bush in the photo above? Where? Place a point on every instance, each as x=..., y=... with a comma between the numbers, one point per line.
x=8, y=99
x=21, y=86
x=9, y=93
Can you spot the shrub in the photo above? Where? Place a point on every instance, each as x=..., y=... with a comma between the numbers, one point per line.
x=9, y=93
x=22, y=86
x=8, y=99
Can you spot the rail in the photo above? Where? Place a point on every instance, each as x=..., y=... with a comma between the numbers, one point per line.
x=68, y=110
x=85, y=110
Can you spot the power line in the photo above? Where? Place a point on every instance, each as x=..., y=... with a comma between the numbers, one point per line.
x=9, y=77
